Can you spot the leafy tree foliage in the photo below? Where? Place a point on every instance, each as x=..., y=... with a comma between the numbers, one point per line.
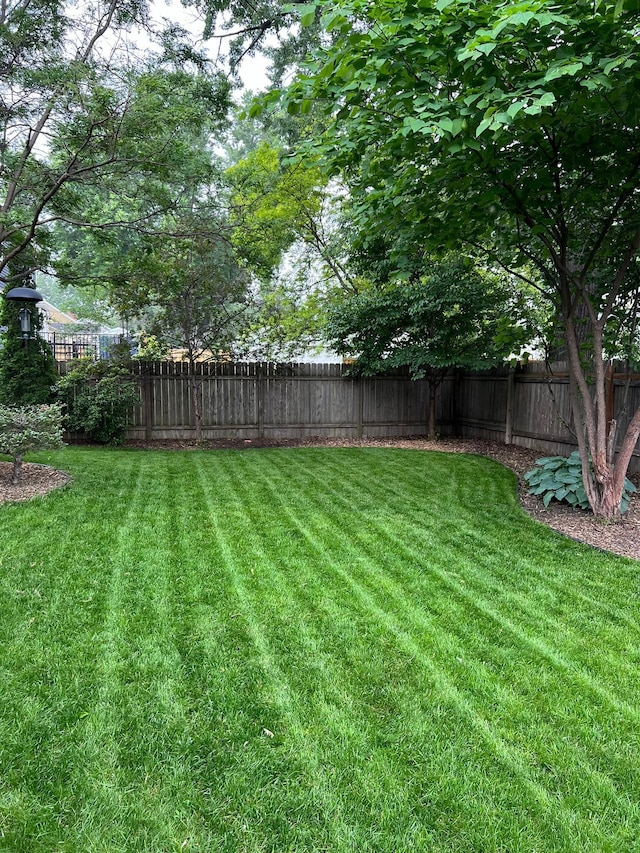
x=289, y=231
x=267, y=26
x=513, y=129
x=196, y=295
x=453, y=316
x=81, y=106
x=272, y=205
x=89, y=304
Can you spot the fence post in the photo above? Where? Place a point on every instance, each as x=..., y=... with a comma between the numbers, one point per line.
x=359, y=403
x=260, y=398
x=455, y=408
x=147, y=393
x=508, y=427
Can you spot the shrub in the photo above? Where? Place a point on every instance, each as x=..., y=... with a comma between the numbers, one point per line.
x=560, y=478
x=28, y=428
x=27, y=368
x=99, y=398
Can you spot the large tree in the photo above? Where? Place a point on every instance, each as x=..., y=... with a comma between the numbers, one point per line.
x=285, y=229
x=512, y=128
x=82, y=105
x=179, y=281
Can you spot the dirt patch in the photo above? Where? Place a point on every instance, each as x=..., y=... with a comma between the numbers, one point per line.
x=621, y=537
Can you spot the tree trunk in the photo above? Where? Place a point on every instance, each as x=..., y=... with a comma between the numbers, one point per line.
x=603, y=474
x=16, y=473
x=196, y=402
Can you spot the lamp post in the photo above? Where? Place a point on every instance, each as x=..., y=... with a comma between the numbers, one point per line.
x=29, y=296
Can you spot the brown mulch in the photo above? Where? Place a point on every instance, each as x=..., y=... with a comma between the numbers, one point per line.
x=620, y=537
x=36, y=480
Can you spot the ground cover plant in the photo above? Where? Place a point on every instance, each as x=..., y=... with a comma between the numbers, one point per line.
x=560, y=478
x=310, y=650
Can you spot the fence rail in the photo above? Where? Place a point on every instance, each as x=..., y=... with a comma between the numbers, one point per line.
x=529, y=407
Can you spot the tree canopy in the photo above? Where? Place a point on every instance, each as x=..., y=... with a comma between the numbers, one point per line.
x=82, y=105
x=453, y=316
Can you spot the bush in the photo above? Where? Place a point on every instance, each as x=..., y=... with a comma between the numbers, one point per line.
x=27, y=368
x=28, y=428
x=560, y=478
x=99, y=398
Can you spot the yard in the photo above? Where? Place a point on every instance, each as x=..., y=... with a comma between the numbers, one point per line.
x=310, y=650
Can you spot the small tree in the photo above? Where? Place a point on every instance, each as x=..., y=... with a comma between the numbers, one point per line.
x=190, y=293
x=28, y=428
x=456, y=316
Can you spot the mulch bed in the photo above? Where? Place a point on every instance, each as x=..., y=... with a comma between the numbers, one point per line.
x=36, y=480
x=621, y=537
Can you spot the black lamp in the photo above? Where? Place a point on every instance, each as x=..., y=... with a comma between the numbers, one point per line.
x=26, y=295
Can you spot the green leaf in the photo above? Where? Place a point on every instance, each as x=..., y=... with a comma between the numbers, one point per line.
x=484, y=125
x=487, y=48
x=521, y=18
x=333, y=21
x=552, y=462
x=515, y=108
x=567, y=477
x=570, y=69
x=307, y=14
x=547, y=99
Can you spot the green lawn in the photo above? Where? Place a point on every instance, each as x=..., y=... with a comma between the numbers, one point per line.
x=310, y=650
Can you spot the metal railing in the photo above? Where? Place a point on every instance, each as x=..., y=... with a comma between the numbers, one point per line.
x=90, y=345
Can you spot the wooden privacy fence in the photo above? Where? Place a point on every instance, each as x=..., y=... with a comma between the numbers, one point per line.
x=266, y=400
x=529, y=406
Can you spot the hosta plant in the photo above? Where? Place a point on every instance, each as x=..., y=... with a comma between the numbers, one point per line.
x=560, y=477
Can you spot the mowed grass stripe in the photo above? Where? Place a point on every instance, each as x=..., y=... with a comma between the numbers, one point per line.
x=125, y=740
x=114, y=735
x=320, y=718
x=317, y=800
x=500, y=574
x=458, y=584
x=438, y=786
x=527, y=542
x=50, y=659
x=451, y=651
x=478, y=668
x=291, y=591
